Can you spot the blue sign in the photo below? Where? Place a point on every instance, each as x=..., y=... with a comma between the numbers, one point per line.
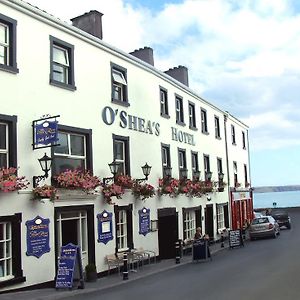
x=144, y=221
x=37, y=237
x=46, y=133
x=69, y=267
x=105, y=233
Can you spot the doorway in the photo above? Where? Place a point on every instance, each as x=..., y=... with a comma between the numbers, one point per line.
x=209, y=220
x=167, y=232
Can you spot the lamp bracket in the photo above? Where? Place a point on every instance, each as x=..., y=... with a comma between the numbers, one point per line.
x=36, y=180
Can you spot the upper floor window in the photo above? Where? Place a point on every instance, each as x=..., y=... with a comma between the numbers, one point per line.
x=119, y=85
x=181, y=162
x=192, y=116
x=165, y=155
x=121, y=153
x=204, y=121
x=195, y=162
x=217, y=128
x=8, y=141
x=8, y=44
x=244, y=139
x=235, y=174
x=246, y=176
x=73, y=151
x=207, y=172
x=164, y=110
x=179, y=110
x=233, y=135
x=61, y=64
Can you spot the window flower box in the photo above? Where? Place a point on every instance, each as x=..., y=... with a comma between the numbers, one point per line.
x=142, y=190
x=45, y=191
x=112, y=190
x=125, y=181
x=10, y=182
x=168, y=186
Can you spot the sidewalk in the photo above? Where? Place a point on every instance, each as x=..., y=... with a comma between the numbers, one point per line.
x=109, y=281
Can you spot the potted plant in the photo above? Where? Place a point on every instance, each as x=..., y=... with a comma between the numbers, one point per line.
x=168, y=186
x=45, y=191
x=91, y=273
x=77, y=179
x=125, y=181
x=142, y=190
x=112, y=190
x=10, y=182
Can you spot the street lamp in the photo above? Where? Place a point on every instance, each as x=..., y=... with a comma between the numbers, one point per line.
x=45, y=163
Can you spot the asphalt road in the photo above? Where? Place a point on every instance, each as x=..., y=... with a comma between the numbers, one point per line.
x=263, y=269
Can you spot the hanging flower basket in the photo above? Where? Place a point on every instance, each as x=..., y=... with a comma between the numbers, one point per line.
x=77, y=179
x=168, y=186
x=142, y=190
x=45, y=191
x=10, y=182
x=125, y=181
x=112, y=190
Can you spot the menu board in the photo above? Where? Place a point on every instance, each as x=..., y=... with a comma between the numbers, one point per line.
x=105, y=231
x=144, y=221
x=69, y=268
x=235, y=238
x=37, y=237
x=200, y=249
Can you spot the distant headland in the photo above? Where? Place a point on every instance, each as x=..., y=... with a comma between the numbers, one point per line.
x=271, y=189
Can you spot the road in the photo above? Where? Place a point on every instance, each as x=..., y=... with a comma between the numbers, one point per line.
x=263, y=269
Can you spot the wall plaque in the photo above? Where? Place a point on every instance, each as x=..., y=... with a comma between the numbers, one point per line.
x=105, y=233
x=144, y=221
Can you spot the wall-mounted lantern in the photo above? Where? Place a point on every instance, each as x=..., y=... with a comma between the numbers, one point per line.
x=114, y=168
x=45, y=163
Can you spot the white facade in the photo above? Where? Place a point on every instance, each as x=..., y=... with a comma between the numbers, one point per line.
x=28, y=95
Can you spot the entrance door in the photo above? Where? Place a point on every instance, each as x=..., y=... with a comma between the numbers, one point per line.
x=72, y=228
x=167, y=232
x=209, y=220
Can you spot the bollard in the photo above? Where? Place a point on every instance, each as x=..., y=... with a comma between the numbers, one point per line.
x=125, y=267
x=222, y=240
x=177, y=252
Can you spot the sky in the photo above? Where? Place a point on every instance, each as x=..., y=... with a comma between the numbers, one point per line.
x=242, y=56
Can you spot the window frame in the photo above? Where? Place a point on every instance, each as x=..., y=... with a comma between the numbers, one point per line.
x=11, y=139
x=164, y=107
x=246, y=175
x=235, y=173
x=198, y=221
x=181, y=161
x=244, y=140
x=217, y=128
x=221, y=224
x=11, y=24
x=17, y=271
x=124, y=87
x=192, y=116
x=87, y=133
x=204, y=128
x=195, y=167
x=179, y=110
x=165, y=148
x=125, y=141
x=206, y=165
x=233, y=137
x=69, y=49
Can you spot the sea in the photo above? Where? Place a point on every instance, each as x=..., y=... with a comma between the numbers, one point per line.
x=276, y=199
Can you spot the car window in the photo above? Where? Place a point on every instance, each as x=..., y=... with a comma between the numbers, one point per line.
x=260, y=221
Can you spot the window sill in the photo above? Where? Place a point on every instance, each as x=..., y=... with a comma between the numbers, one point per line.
x=122, y=103
x=165, y=116
x=12, y=281
x=180, y=123
x=69, y=87
x=218, y=138
x=9, y=69
x=205, y=132
x=193, y=128
x=233, y=144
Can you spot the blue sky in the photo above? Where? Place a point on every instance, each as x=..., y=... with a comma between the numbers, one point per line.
x=243, y=56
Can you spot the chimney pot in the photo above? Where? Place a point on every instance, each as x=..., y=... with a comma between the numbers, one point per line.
x=145, y=54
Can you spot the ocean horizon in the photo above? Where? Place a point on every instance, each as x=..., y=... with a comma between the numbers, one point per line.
x=276, y=199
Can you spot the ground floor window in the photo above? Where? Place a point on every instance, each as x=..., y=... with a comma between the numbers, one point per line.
x=220, y=217
x=10, y=250
x=189, y=220
x=122, y=230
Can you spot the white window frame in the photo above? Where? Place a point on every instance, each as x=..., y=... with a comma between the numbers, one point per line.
x=189, y=220
x=121, y=161
x=163, y=102
x=5, y=151
x=233, y=135
x=119, y=82
x=179, y=110
x=192, y=115
x=203, y=121
x=64, y=65
x=6, y=256
x=122, y=234
x=217, y=127
x=220, y=217
x=182, y=159
x=5, y=45
x=165, y=157
x=195, y=162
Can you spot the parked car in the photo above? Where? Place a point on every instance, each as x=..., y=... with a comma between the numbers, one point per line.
x=265, y=226
x=258, y=214
x=282, y=218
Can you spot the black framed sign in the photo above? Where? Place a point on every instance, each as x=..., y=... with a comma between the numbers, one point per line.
x=105, y=231
x=200, y=250
x=144, y=221
x=45, y=132
x=235, y=238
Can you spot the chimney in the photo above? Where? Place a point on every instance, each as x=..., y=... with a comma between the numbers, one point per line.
x=179, y=73
x=90, y=22
x=145, y=54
